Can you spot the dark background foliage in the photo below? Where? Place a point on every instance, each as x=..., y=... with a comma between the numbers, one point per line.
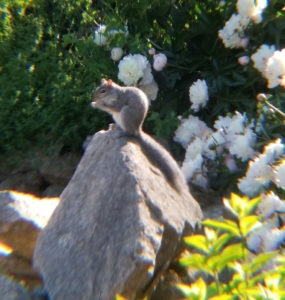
x=49, y=65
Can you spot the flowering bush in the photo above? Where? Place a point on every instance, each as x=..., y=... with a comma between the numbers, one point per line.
x=229, y=244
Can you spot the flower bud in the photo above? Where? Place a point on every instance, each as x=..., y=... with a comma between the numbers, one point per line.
x=116, y=53
x=159, y=61
x=261, y=97
x=151, y=51
x=243, y=60
x=244, y=42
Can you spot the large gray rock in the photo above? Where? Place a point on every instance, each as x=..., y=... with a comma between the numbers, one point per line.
x=117, y=227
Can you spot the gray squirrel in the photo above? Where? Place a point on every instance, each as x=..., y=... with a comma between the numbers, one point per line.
x=129, y=106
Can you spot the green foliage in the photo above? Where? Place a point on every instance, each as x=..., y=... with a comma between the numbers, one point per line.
x=48, y=71
x=224, y=246
x=49, y=64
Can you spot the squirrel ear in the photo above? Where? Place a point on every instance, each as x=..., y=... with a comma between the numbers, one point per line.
x=103, y=81
x=110, y=82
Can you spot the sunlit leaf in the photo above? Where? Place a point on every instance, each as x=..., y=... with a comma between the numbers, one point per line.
x=222, y=297
x=251, y=205
x=261, y=260
x=197, y=241
x=249, y=223
x=193, y=260
x=230, y=254
x=225, y=225
x=221, y=241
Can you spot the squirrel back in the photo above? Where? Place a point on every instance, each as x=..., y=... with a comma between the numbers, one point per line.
x=129, y=106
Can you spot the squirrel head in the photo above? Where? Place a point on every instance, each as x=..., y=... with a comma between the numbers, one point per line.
x=106, y=95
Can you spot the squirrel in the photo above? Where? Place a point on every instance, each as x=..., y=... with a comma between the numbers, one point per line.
x=129, y=106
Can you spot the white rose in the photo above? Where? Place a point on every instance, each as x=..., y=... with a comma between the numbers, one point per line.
x=131, y=68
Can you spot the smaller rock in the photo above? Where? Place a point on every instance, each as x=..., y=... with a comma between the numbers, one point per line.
x=29, y=181
x=58, y=169
x=53, y=190
x=11, y=290
x=22, y=216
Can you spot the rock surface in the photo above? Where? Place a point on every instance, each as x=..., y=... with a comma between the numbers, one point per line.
x=28, y=181
x=58, y=169
x=22, y=217
x=11, y=290
x=117, y=227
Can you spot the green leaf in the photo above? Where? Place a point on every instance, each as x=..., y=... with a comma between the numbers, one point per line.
x=230, y=254
x=193, y=260
x=249, y=223
x=222, y=297
x=221, y=241
x=252, y=205
x=261, y=260
x=225, y=225
x=197, y=241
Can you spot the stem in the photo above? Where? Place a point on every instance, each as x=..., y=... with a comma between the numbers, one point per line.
x=154, y=44
x=275, y=108
x=178, y=67
x=217, y=282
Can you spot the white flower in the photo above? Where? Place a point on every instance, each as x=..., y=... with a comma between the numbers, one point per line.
x=280, y=175
x=198, y=93
x=147, y=75
x=266, y=238
x=273, y=151
x=99, y=38
x=200, y=178
x=259, y=174
x=270, y=204
x=194, y=149
x=159, y=61
x=223, y=123
x=275, y=68
x=190, y=167
x=233, y=31
x=274, y=239
x=260, y=58
x=104, y=38
x=252, y=9
x=214, y=145
x=241, y=146
x=131, y=68
x=116, y=53
x=188, y=129
x=243, y=60
x=150, y=89
x=237, y=124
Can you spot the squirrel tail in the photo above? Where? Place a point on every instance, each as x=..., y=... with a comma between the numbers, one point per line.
x=162, y=159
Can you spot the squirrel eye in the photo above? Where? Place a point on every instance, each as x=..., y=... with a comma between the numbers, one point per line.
x=103, y=91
